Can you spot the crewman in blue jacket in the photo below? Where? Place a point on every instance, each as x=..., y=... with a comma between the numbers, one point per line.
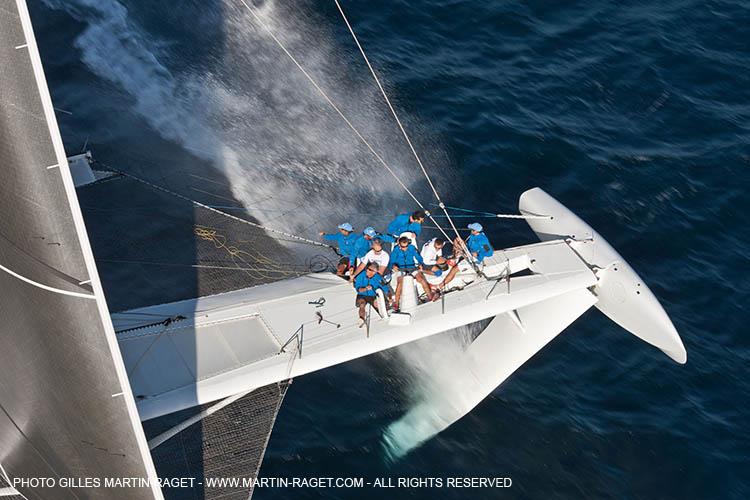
x=345, y=239
x=478, y=244
x=403, y=223
x=406, y=259
x=362, y=245
x=366, y=284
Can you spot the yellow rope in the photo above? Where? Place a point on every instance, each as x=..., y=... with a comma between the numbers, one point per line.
x=245, y=261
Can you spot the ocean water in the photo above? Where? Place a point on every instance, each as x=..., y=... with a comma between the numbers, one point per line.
x=636, y=115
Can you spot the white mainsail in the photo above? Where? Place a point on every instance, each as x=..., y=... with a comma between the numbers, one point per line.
x=66, y=407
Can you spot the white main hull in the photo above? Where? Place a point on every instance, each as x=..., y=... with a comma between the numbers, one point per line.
x=227, y=344
x=231, y=343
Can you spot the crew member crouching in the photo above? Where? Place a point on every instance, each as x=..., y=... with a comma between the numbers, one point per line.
x=478, y=244
x=376, y=255
x=345, y=239
x=407, y=223
x=366, y=284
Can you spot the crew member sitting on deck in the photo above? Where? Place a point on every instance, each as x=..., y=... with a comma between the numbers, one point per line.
x=432, y=254
x=478, y=244
x=459, y=254
x=406, y=259
x=406, y=223
x=366, y=284
x=345, y=239
x=376, y=255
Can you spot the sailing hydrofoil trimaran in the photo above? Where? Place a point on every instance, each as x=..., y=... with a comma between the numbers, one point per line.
x=78, y=417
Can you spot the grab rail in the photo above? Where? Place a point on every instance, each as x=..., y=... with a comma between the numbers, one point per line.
x=505, y=276
x=298, y=335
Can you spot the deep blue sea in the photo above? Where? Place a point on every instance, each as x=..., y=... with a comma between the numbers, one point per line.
x=636, y=115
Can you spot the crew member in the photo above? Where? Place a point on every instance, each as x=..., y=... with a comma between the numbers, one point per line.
x=376, y=255
x=432, y=255
x=366, y=284
x=406, y=259
x=459, y=253
x=478, y=244
x=345, y=239
x=406, y=223
x=362, y=245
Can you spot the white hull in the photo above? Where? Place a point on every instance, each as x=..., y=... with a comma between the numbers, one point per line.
x=231, y=343
x=511, y=339
x=623, y=295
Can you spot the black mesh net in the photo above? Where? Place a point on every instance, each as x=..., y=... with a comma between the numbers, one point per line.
x=5, y=487
x=154, y=244
x=223, y=451
x=155, y=247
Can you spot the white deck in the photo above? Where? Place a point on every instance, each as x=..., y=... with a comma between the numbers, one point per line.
x=230, y=342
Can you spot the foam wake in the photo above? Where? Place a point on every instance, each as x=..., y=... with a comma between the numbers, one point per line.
x=435, y=372
x=245, y=109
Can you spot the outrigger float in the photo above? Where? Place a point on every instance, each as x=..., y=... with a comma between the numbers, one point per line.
x=226, y=345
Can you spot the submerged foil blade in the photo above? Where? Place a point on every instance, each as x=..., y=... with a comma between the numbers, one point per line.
x=453, y=384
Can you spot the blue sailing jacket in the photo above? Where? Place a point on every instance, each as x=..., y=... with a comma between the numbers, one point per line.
x=361, y=281
x=387, y=238
x=346, y=243
x=362, y=245
x=479, y=244
x=406, y=260
x=360, y=248
x=401, y=224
